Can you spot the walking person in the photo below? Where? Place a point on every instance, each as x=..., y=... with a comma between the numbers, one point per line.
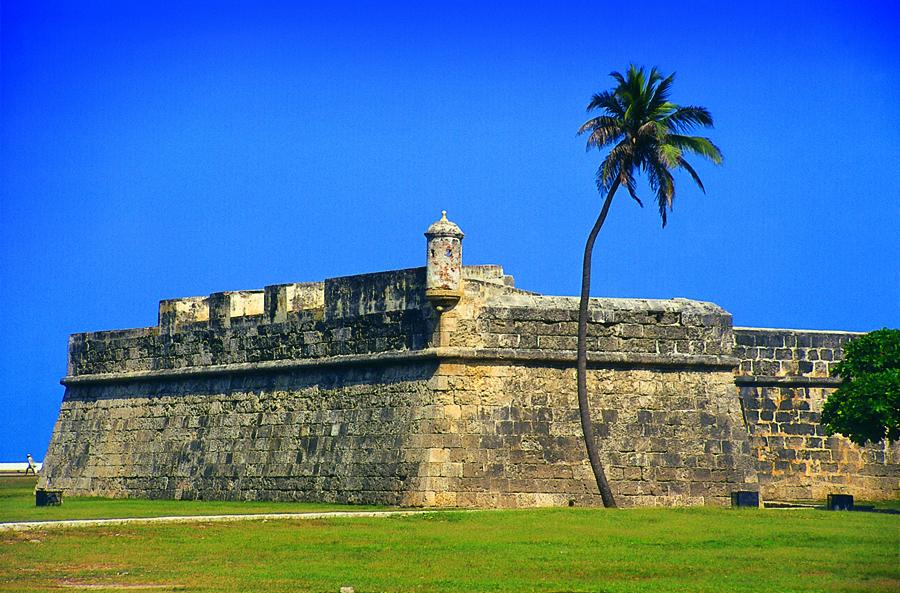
x=31, y=466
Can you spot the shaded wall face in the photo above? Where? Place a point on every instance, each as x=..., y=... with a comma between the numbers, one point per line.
x=247, y=340
x=364, y=314
x=788, y=353
x=784, y=382
x=324, y=436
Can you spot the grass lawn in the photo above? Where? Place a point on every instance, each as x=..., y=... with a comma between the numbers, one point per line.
x=592, y=550
x=17, y=504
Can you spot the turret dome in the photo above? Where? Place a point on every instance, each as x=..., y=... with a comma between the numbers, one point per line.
x=444, y=228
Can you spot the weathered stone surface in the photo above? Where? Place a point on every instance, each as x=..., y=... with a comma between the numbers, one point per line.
x=783, y=378
x=282, y=436
x=355, y=390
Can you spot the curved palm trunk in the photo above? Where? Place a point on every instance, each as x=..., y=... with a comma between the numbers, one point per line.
x=586, y=424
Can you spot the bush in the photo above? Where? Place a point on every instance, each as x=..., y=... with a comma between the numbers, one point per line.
x=866, y=407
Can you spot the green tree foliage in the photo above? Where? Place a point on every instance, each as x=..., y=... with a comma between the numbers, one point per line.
x=645, y=133
x=866, y=407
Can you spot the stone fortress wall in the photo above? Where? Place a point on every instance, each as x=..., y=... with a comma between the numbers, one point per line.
x=783, y=381
x=357, y=390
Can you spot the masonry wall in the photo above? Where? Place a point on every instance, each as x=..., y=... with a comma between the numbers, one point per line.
x=354, y=390
x=783, y=380
x=513, y=437
x=679, y=329
x=316, y=434
x=464, y=433
x=363, y=395
x=351, y=315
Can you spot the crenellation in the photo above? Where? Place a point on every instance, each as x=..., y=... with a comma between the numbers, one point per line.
x=281, y=300
x=224, y=307
x=381, y=312
x=174, y=314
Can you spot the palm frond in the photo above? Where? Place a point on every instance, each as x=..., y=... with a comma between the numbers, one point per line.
x=630, y=184
x=666, y=196
x=606, y=172
x=697, y=145
x=601, y=121
x=601, y=137
x=608, y=102
x=633, y=94
x=619, y=158
x=635, y=79
x=661, y=112
x=661, y=93
x=663, y=184
x=668, y=155
x=647, y=133
x=685, y=119
x=652, y=128
x=687, y=167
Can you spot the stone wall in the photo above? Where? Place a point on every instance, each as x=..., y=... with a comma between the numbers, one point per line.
x=788, y=352
x=662, y=395
x=236, y=395
x=679, y=327
x=302, y=435
x=461, y=433
x=783, y=380
x=512, y=436
x=351, y=315
x=354, y=390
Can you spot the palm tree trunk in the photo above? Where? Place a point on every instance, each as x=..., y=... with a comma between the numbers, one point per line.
x=586, y=424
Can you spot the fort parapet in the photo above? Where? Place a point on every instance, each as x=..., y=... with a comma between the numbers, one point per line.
x=357, y=389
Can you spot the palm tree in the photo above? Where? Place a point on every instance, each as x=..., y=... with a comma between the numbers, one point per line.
x=647, y=134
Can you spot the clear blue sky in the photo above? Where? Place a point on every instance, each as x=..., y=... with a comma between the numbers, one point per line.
x=150, y=153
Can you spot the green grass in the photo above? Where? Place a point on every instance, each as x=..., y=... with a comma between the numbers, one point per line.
x=17, y=504
x=648, y=550
x=587, y=550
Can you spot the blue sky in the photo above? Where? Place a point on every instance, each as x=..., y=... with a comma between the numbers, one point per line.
x=151, y=152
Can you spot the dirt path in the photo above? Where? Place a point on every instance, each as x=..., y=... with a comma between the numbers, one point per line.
x=32, y=525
